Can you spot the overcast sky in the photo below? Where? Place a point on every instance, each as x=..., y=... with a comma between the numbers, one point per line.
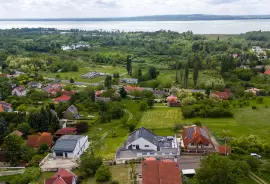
x=121, y=8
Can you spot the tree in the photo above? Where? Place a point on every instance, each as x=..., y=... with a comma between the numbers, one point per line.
x=21, y=108
x=89, y=165
x=143, y=106
x=71, y=80
x=108, y=81
x=30, y=175
x=221, y=170
x=195, y=74
x=74, y=68
x=103, y=174
x=12, y=145
x=24, y=128
x=43, y=148
x=139, y=72
x=123, y=92
x=253, y=162
x=186, y=74
x=115, y=75
x=3, y=125
x=5, y=89
x=150, y=102
x=152, y=72
x=129, y=65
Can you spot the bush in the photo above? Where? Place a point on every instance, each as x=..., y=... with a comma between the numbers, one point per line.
x=254, y=107
x=238, y=150
x=198, y=123
x=253, y=150
x=253, y=162
x=43, y=148
x=188, y=112
x=143, y=106
x=82, y=127
x=103, y=174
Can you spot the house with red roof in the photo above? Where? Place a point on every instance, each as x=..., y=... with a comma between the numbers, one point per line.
x=197, y=139
x=34, y=141
x=19, y=91
x=16, y=132
x=267, y=72
x=63, y=98
x=53, y=89
x=69, y=93
x=172, y=101
x=130, y=89
x=160, y=172
x=224, y=150
x=62, y=176
x=226, y=95
x=66, y=131
x=5, y=107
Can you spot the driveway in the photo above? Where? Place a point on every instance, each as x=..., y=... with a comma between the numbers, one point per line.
x=189, y=162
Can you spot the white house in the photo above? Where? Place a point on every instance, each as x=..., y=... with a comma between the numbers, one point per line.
x=129, y=81
x=144, y=143
x=19, y=91
x=70, y=146
x=34, y=84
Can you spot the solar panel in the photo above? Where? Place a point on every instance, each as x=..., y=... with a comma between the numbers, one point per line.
x=204, y=133
x=189, y=133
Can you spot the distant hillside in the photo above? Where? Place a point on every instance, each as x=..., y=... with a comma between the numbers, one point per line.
x=192, y=17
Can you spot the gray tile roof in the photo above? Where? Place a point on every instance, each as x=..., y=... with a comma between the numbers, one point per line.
x=67, y=143
x=142, y=132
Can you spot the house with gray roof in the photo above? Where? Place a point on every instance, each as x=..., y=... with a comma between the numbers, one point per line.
x=70, y=146
x=143, y=143
x=129, y=81
x=35, y=84
x=71, y=113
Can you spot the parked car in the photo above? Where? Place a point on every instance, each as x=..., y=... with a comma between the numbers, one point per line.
x=255, y=155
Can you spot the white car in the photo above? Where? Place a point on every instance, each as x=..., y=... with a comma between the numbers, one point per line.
x=255, y=155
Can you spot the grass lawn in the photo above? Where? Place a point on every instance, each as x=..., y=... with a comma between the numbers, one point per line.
x=43, y=176
x=119, y=173
x=160, y=117
x=77, y=75
x=105, y=145
x=8, y=178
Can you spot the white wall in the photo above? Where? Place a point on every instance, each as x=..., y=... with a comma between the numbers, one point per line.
x=17, y=93
x=81, y=146
x=142, y=142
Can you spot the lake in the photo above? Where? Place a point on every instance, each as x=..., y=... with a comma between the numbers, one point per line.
x=198, y=27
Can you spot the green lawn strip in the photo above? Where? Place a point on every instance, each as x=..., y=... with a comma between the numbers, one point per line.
x=7, y=178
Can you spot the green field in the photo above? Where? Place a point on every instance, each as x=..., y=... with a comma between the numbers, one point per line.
x=77, y=75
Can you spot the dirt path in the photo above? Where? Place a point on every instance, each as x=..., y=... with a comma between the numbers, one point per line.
x=130, y=115
x=256, y=178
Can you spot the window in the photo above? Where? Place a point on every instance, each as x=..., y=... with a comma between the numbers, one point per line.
x=192, y=144
x=147, y=146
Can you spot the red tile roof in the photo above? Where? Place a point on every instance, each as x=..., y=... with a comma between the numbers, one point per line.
x=160, y=172
x=20, y=88
x=132, y=88
x=17, y=133
x=61, y=177
x=172, y=99
x=223, y=151
x=34, y=141
x=196, y=135
x=69, y=93
x=267, y=72
x=223, y=95
x=63, y=98
x=66, y=131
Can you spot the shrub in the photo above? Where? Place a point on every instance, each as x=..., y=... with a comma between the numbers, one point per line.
x=103, y=174
x=254, y=107
x=238, y=150
x=259, y=100
x=43, y=148
x=198, y=123
x=82, y=127
x=253, y=162
x=253, y=150
x=188, y=112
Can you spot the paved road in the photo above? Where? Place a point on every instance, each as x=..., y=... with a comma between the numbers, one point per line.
x=6, y=173
x=189, y=162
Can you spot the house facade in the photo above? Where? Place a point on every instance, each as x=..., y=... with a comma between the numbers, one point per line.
x=129, y=81
x=70, y=146
x=197, y=139
x=19, y=91
x=143, y=143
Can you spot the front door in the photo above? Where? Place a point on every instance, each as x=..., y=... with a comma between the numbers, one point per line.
x=66, y=155
x=137, y=147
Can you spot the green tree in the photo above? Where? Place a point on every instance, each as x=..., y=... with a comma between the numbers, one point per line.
x=89, y=165
x=5, y=89
x=150, y=102
x=108, y=81
x=253, y=162
x=74, y=68
x=153, y=73
x=24, y=128
x=129, y=65
x=21, y=108
x=139, y=72
x=143, y=106
x=195, y=74
x=221, y=170
x=103, y=174
x=186, y=74
x=71, y=80
x=12, y=145
x=43, y=148
x=123, y=92
x=115, y=75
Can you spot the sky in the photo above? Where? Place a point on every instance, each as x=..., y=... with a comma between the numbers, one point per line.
x=127, y=8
